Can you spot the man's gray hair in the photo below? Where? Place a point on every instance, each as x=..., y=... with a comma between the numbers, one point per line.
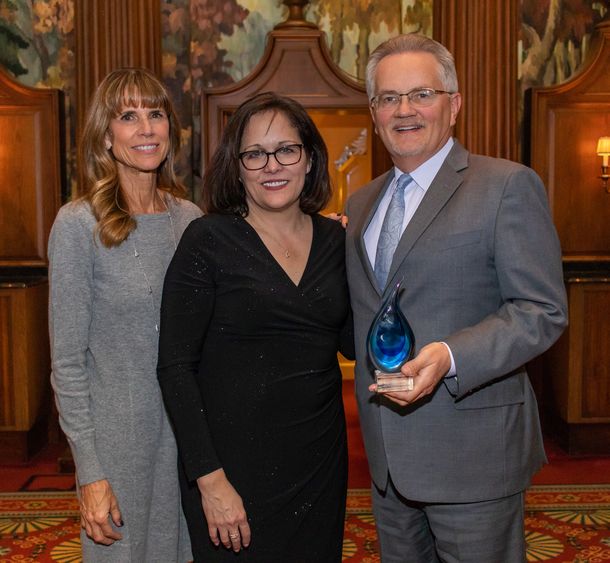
x=413, y=43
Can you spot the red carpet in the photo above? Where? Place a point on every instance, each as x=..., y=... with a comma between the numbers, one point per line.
x=563, y=524
x=568, y=523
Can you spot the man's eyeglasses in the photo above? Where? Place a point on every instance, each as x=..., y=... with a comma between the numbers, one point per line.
x=286, y=156
x=418, y=98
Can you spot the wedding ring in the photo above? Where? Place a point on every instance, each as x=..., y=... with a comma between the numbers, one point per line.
x=234, y=536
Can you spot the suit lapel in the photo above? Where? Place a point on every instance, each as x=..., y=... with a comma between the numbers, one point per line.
x=377, y=190
x=440, y=191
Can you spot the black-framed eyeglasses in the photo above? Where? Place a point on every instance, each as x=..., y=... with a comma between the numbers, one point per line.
x=418, y=97
x=286, y=155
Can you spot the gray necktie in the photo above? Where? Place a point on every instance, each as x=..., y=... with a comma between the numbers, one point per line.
x=390, y=231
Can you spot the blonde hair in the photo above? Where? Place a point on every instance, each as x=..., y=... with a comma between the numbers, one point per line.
x=122, y=88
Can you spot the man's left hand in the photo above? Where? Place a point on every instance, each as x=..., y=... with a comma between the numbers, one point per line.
x=427, y=369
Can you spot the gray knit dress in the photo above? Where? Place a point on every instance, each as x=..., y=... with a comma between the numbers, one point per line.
x=103, y=326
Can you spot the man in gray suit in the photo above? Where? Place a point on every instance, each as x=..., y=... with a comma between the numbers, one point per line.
x=473, y=240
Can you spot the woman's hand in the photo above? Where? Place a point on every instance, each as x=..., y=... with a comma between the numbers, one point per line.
x=97, y=502
x=224, y=511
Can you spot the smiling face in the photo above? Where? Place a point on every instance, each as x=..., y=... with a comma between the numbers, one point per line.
x=413, y=135
x=139, y=139
x=275, y=187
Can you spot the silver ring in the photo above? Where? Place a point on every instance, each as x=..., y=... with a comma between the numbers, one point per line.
x=234, y=536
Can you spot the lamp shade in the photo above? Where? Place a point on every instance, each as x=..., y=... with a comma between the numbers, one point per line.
x=603, y=146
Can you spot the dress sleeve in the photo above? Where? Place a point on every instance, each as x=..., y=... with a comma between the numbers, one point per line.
x=186, y=310
x=70, y=309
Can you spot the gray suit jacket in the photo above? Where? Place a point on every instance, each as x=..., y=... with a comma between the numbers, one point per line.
x=482, y=272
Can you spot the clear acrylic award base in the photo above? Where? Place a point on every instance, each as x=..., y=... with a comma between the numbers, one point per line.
x=388, y=382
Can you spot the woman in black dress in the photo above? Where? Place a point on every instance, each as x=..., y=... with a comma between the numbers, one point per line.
x=255, y=308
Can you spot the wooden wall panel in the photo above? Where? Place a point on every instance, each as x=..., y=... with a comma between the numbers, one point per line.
x=483, y=39
x=7, y=394
x=25, y=354
x=111, y=34
x=25, y=366
x=596, y=353
x=579, y=374
x=575, y=191
x=30, y=173
x=566, y=122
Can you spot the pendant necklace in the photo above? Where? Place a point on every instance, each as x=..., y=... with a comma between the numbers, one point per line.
x=286, y=251
x=141, y=266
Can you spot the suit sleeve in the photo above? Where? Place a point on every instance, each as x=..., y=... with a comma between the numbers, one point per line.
x=186, y=310
x=533, y=309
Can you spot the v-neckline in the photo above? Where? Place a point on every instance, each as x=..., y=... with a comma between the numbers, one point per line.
x=274, y=260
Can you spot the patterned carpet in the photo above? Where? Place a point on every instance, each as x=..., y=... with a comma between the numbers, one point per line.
x=563, y=524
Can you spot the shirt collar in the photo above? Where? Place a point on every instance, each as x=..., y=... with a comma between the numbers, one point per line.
x=425, y=173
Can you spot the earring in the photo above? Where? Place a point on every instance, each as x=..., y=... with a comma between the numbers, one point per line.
x=108, y=145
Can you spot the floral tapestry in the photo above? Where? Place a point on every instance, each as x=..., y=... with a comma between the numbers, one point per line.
x=37, y=47
x=213, y=43
x=555, y=37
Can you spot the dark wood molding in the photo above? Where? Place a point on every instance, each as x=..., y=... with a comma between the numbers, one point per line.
x=483, y=38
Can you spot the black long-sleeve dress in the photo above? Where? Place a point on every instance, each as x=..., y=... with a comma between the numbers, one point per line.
x=249, y=373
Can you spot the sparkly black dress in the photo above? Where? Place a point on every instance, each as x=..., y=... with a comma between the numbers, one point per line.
x=249, y=373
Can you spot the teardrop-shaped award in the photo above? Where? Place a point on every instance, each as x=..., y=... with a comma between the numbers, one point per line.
x=391, y=343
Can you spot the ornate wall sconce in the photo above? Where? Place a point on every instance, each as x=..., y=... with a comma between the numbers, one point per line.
x=603, y=150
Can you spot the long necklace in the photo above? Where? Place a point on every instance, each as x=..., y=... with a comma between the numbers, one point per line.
x=141, y=266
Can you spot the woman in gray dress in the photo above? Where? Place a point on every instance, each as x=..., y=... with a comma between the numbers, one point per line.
x=109, y=251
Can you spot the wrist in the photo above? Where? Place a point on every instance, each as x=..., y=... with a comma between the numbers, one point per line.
x=211, y=480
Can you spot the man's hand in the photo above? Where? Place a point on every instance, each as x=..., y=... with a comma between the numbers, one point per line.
x=338, y=217
x=97, y=503
x=427, y=369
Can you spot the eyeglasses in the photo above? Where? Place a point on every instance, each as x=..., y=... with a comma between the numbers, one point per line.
x=418, y=98
x=258, y=159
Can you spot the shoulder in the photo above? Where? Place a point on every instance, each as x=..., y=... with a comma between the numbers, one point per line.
x=480, y=162
x=479, y=168
x=213, y=226
x=501, y=173
x=328, y=227
x=186, y=208
x=78, y=209
x=74, y=227
x=217, y=221
x=500, y=181
x=75, y=215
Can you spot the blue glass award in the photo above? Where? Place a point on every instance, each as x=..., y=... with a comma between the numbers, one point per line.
x=391, y=343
